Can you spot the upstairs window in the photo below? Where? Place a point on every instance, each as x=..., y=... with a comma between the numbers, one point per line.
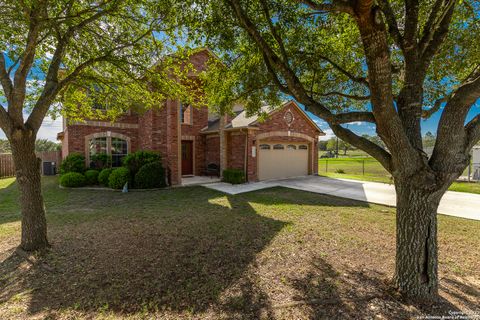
x=186, y=113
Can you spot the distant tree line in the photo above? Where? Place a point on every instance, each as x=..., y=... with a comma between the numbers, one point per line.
x=40, y=145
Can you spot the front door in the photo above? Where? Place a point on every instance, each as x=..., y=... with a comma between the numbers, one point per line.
x=187, y=158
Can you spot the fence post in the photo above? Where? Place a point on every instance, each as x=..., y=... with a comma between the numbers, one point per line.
x=363, y=167
x=326, y=165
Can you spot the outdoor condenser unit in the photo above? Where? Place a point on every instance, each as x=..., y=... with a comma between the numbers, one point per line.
x=49, y=168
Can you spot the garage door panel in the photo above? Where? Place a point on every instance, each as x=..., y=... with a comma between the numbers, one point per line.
x=283, y=163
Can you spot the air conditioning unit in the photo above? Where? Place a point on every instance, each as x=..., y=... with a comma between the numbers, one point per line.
x=49, y=168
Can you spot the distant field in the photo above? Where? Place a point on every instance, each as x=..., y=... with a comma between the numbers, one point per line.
x=369, y=169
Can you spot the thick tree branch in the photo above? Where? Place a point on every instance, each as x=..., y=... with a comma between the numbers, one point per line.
x=341, y=94
x=354, y=116
x=391, y=22
x=334, y=6
x=5, y=121
x=5, y=79
x=411, y=24
x=473, y=132
x=436, y=106
x=273, y=30
x=26, y=62
x=371, y=148
x=434, y=38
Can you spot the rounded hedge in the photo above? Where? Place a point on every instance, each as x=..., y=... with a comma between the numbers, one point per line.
x=91, y=176
x=134, y=161
x=74, y=162
x=72, y=180
x=118, y=178
x=151, y=175
x=103, y=176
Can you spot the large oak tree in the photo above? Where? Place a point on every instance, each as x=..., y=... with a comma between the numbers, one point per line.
x=66, y=55
x=390, y=63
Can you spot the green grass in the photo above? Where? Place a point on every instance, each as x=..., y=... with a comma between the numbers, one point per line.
x=193, y=252
x=369, y=169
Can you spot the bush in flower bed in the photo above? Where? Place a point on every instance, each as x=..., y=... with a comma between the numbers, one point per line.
x=74, y=162
x=72, y=180
x=91, y=176
x=151, y=175
x=134, y=161
x=103, y=176
x=118, y=178
x=233, y=176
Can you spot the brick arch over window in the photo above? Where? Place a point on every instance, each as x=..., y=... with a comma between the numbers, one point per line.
x=109, y=135
x=284, y=134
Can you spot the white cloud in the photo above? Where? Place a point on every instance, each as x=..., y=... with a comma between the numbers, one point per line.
x=328, y=135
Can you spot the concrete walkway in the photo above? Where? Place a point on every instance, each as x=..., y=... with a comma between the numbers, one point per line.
x=458, y=204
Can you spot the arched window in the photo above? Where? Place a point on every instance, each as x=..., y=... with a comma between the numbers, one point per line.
x=278, y=147
x=291, y=147
x=302, y=147
x=106, y=147
x=264, y=147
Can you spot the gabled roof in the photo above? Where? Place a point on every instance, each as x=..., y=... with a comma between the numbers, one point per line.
x=242, y=120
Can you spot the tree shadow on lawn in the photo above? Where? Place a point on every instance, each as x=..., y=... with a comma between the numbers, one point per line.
x=177, y=250
x=180, y=261
x=352, y=293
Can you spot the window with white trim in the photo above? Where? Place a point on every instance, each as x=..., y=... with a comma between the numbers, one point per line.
x=114, y=147
x=278, y=147
x=264, y=147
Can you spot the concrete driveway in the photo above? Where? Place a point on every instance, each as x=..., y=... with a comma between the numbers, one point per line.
x=458, y=204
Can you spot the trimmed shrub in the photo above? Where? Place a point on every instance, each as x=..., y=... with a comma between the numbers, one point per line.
x=100, y=161
x=72, y=180
x=134, y=161
x=74, y=162
x=118, y=178
x=151, y=175
x=233, y=176
x=91, y=176
x=103, y=176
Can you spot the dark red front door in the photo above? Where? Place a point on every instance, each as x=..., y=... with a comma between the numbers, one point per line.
x=187, y=158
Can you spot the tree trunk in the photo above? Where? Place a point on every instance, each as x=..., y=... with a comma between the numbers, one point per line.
x=416, y=273
x=27, y=167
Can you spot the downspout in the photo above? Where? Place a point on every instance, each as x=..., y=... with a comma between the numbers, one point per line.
x=223, y=144
x=245, y=163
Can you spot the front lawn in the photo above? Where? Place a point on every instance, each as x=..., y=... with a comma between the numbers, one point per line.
x=197, y=253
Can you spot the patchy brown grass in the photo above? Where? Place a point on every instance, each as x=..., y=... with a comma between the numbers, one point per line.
x=195, y=253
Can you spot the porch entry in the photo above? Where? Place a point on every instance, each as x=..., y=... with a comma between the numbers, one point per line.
x=187, y=157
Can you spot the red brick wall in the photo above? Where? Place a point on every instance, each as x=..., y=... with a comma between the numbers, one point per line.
x=236, y=150
x=212, y=149
x=75, y=136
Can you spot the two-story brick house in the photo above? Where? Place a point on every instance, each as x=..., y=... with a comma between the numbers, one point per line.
x=188, y=138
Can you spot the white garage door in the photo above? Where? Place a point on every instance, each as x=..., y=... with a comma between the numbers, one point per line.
x=282, y=160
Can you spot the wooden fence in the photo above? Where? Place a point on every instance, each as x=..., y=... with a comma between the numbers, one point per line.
x=7, y=168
